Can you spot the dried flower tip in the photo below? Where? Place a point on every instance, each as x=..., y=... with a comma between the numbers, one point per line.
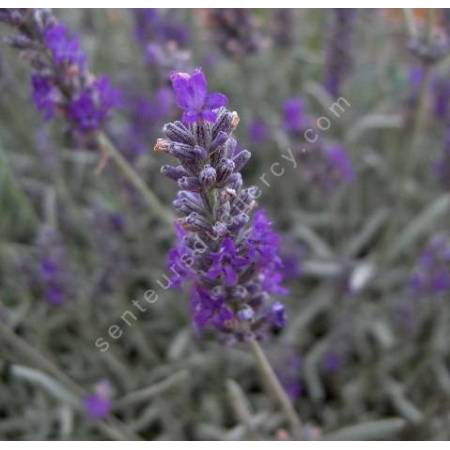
x=162, y=146
x=234, y=120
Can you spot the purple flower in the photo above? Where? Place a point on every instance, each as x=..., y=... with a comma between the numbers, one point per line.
x=191, y=95
x=257, y=131
x=45, y=95
x=90, y=109
x=53, y=273
x=64, y=48
x=226, y=252
x=432, y=272
x=98, y=405
x=340, y=166
x=326, y=166
x=293, y=112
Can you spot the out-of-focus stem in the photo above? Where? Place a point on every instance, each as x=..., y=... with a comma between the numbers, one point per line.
x=134, y=178
x=275, y=389
x=420, y=115
x=422, y=96
x=409, y=22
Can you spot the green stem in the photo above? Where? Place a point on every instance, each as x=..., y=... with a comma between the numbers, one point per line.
x=111, y=427
x=420, y=116
x=275, y=389
x=422, y=98
x=134, y=178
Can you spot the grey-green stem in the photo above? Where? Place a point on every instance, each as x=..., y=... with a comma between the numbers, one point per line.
x=135, y=179
x=275, y=389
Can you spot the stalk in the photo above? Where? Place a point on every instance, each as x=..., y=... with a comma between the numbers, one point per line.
x=420, y=117
x=275, y=389
x=134, y=178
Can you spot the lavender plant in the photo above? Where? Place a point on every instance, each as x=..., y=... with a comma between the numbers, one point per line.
x=225, y=250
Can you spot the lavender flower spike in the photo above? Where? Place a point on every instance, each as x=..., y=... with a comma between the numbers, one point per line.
x=226, y=250
x=61, y=82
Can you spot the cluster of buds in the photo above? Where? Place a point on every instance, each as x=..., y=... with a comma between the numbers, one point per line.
x=226, y=249
x=61, y=82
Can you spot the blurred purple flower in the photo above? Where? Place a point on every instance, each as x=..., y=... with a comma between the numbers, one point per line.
x=91, y=107
x=64, y=48
x=52, y=272
x=326, y=166
x=339, y=164
x=432, y=272
x=45, y=95
x=61, y=82
x=191, y=95
x=293, y=115
x=98, y=405
x=257, y=131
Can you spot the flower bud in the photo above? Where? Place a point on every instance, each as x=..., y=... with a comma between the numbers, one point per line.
x=190, y=184
x=208, y=177
x=177, y=132
x=224, y=170
x=241, y=159
x=173, y=172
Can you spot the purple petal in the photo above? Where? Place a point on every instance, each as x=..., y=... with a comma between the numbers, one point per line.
x=197, y=89
x=215, y=100
x=208, y=116
x=191, y=116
